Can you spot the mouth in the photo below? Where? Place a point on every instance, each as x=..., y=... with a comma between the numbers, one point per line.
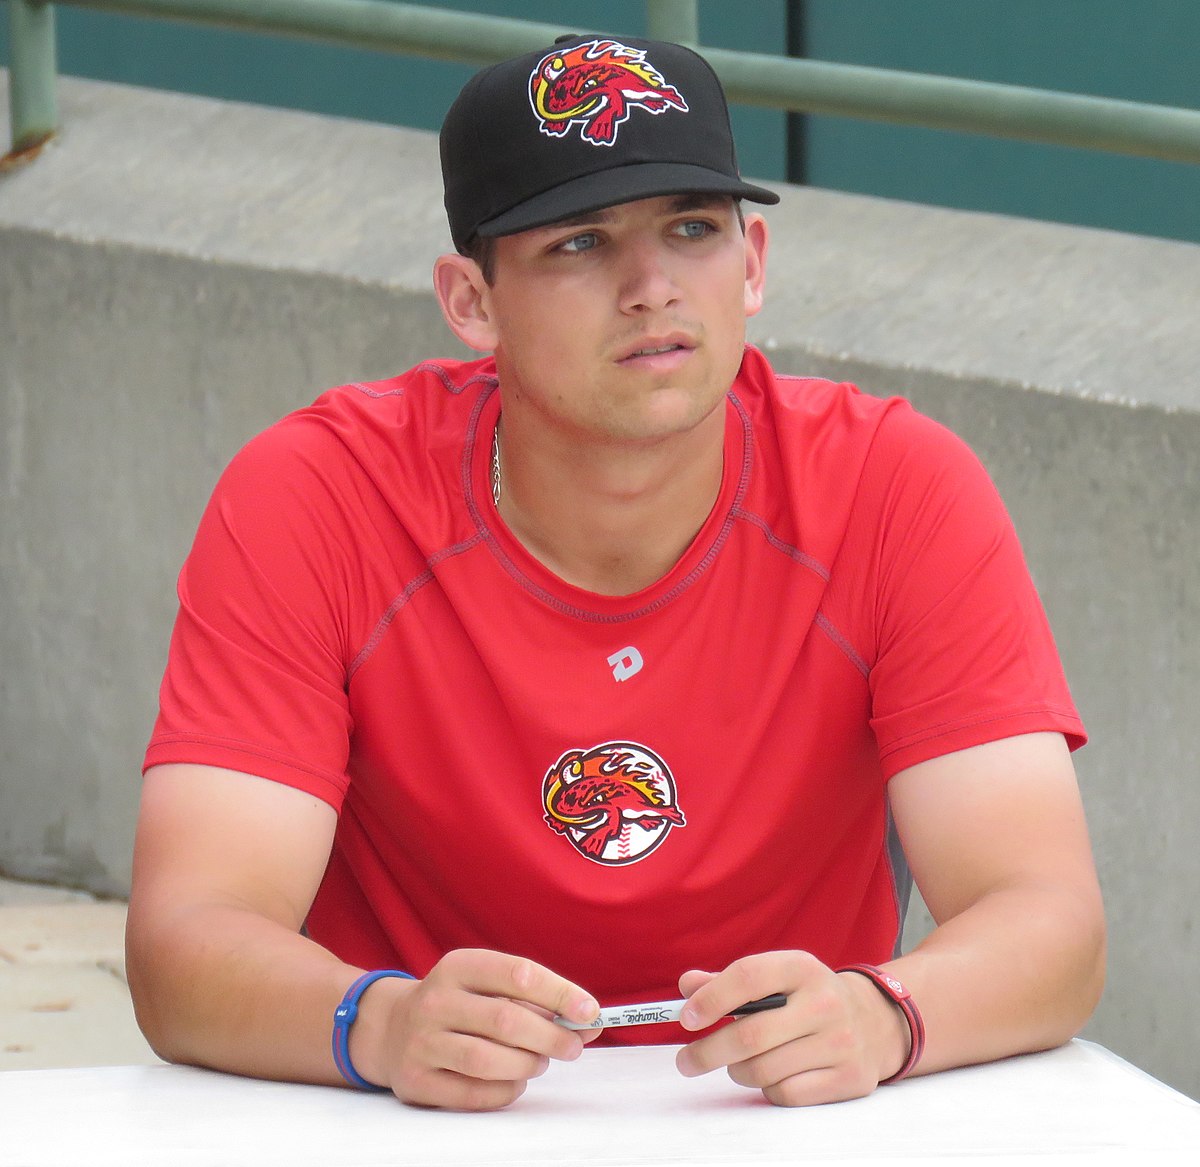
x=655, y=347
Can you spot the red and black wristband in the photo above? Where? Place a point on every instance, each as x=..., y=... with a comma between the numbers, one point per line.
x=895, y=991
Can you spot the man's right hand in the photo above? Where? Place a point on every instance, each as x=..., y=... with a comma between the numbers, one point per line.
x=470, y=1035
x=225, y=870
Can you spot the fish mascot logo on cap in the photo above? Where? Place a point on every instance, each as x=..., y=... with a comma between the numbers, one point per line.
x=614, y=803
x=597, y=84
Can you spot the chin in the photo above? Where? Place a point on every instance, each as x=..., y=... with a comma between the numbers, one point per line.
x=667, y=416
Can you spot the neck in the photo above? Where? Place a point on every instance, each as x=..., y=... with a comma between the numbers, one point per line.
x=612, y=518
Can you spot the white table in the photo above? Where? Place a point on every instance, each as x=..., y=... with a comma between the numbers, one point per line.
x=1075, y=1105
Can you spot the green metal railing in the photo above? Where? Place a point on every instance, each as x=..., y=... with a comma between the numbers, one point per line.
x=799, y=85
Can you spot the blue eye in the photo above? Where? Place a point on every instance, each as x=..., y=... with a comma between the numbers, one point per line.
x=695, y=228
x=584, y=242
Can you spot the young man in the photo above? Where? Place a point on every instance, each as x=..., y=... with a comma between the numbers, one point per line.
x=610, y=667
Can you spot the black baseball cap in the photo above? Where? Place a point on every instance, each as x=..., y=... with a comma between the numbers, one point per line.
x=583, y=124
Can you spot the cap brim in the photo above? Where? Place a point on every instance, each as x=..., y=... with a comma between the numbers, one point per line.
x=622, y=184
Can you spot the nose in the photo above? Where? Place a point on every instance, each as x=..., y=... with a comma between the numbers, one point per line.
x=648, y=279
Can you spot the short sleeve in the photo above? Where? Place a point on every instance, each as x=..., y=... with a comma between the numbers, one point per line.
x=256, y=674
x=959, y=646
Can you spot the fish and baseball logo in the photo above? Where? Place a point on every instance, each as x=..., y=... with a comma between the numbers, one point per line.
x=597, y=85
x=614, y=803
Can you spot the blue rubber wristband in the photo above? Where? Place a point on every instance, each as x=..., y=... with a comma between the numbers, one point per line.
x=343, y=1018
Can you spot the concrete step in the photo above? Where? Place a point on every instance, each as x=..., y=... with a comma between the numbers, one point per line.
x=63, y=997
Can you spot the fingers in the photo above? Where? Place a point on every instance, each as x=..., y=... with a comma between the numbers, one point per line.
x=691, y=981
x=808, y=1071
x=479, y=1027
x=451, y=1092
x=714, y=995
x=497, y=974
x=518, y=1024
x=809, y=1051
x=474, y=1032
x=819, y=1087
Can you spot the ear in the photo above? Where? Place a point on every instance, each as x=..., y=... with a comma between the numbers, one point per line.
x=756, y=262
x=463, y=294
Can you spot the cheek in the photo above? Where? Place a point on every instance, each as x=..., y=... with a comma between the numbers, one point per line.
x=539, y=322
x=730, y=314
x=541, y=366
x=541, y=351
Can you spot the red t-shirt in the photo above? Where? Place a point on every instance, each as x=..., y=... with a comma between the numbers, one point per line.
x=621, y=788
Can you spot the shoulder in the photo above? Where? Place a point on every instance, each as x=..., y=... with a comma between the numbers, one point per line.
x=834, y=466
x=429, y=396
x=383, y=432
x=813, y=411
x=365, y=458
x=836, y=427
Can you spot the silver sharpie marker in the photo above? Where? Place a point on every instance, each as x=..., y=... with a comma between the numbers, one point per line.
x=653, y=1012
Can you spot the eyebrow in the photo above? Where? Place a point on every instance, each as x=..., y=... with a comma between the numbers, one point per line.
x=692, y=201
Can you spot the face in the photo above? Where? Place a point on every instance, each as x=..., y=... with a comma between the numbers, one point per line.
x=625, y=324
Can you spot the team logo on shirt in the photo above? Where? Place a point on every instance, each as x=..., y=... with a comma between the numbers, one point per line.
x=614, y=803
x=597, y=85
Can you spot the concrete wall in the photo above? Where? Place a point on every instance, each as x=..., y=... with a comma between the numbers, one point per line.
x=175, y=273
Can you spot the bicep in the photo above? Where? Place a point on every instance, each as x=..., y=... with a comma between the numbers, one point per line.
x=212, y=836
x=990, y=817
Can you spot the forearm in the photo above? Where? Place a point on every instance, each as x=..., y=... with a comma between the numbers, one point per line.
x=222, y=986
x=997, y=840
x=1019, y=970
x=225, y=987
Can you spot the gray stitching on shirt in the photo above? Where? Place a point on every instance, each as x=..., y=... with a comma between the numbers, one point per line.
x=410, y=589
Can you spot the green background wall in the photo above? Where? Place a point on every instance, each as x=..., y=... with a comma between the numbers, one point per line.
x=1139, y=50
x=1144, y=51
x=380, y=86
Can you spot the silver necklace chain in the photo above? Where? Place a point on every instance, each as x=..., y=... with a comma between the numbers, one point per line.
x=496, y=466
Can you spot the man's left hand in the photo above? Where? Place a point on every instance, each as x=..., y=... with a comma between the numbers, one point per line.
x=837, y=1037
